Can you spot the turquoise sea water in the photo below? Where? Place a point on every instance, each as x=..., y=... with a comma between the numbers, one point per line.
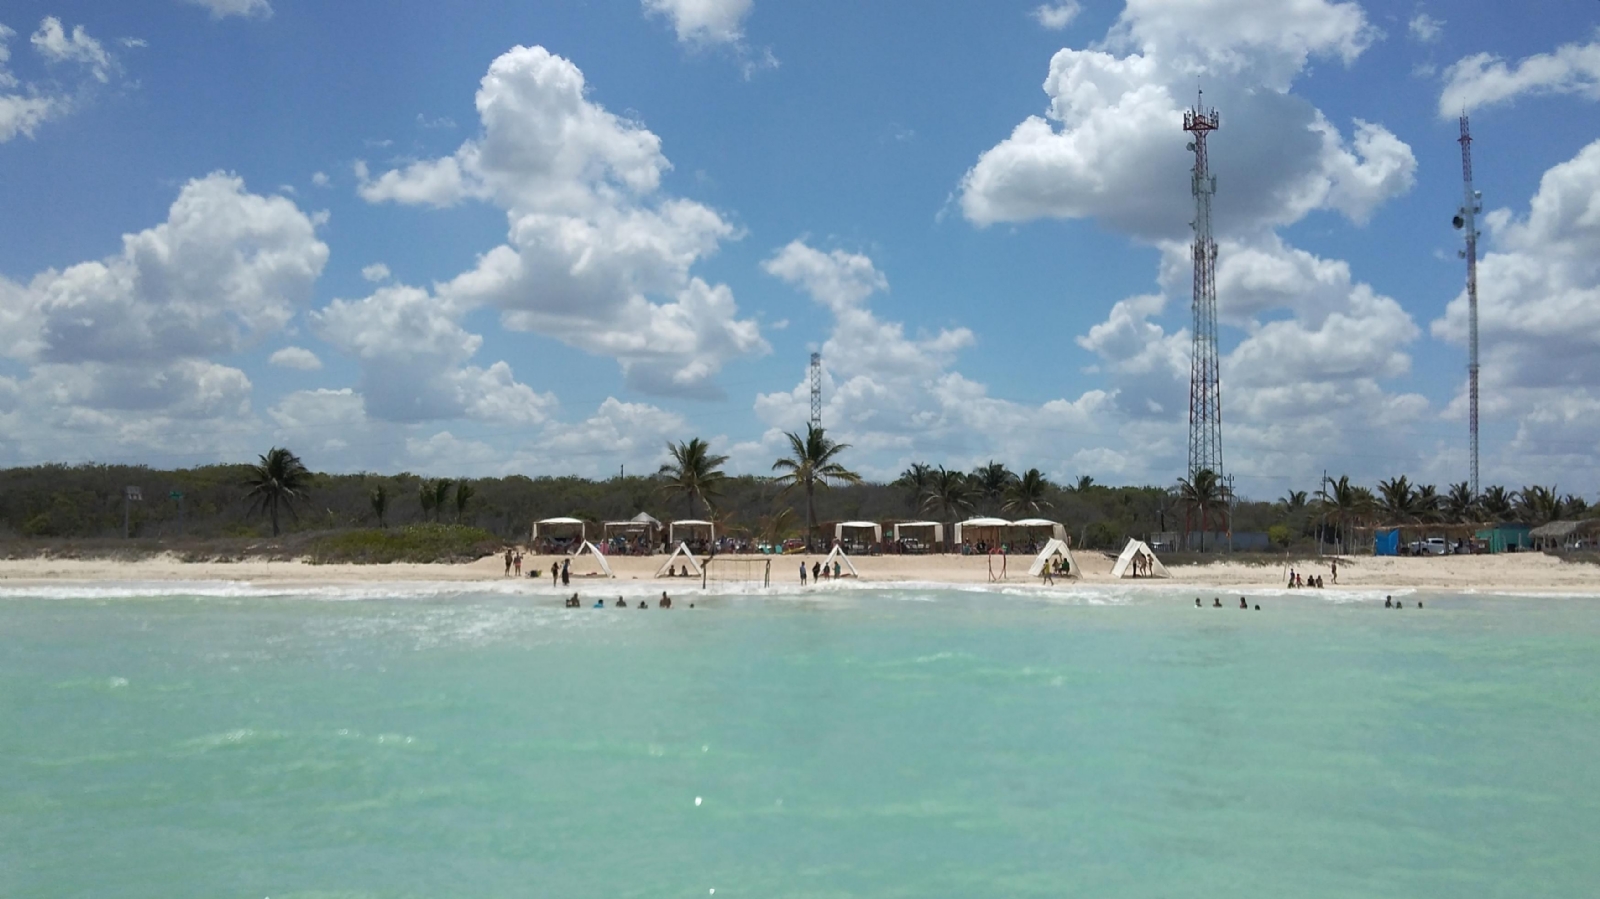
x=852, y=743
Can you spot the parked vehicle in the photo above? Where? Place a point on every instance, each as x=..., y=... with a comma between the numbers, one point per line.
x=1433, y=546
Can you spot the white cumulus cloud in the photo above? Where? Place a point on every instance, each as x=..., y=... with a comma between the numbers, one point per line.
x=596, y=256
x=1485, y=79
x=295, y=357
x=56, y=44
x=1057, y=16
x=703, y=21
x=245, y=9
x=377, y=273
x=1425, y=28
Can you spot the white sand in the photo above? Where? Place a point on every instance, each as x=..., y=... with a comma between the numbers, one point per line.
x=1511, y=573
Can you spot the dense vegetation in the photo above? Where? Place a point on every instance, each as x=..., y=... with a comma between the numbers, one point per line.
x=378, y=517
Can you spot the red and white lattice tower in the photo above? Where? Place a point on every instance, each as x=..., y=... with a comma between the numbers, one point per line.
x=1467, y=220
x=1205, y=385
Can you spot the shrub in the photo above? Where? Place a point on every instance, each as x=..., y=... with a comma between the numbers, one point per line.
x=425, y=543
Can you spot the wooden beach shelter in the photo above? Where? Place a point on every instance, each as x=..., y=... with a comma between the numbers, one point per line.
x=640, y=529
x=589, y=549
x=928, y=534
x=682, y=552
x=693, y=529
x=1124, y=566
x=563, y=529
x=987, y=530
x=853, y=533
x=1055, y=549
x=1055, y=529
x=844, y=560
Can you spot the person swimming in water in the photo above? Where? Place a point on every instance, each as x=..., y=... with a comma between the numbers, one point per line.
x=1388, y=602
x=1243, y=605
x=622, y=603
x=1216, y=602
x=1197, y=602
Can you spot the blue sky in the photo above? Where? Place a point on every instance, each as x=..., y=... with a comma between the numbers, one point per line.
x=549, y=237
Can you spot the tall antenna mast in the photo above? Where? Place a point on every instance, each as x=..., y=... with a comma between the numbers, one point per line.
x=1205, y=386
x=816, y=390
x=1467, y=220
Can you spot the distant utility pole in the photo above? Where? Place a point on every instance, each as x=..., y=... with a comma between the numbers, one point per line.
x=1205, y=385
x=130, y=495
x=816, y=390
x=1467, y=220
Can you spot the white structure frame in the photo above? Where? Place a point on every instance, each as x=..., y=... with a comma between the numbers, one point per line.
x=672, y=530
x=682, y=551
x=1125, y=561
x=549, y=523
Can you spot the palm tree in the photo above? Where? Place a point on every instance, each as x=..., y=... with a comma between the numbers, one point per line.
x=812, y=460
x=380, y=504
x=425, y=498
x=991, y=482
x=1460, y=506
x=1204, y=493
x=1538, y=505
x=916, y=478
x=279, y=479
x=1399, y=499
x=1344, y=505
x=694, y=472
x=1574, y=506
x=1085, y=484
x=1293, y=501
x=949, y=494
x=1496, y=503
x=441, y=497
x=464, y=494
x=1429, y=504
x=776, y=527
x=1026, y=493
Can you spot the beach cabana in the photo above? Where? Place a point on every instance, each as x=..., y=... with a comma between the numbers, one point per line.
x=636, y=536
x=589, y=549
x=1132, y=552
x=1055, y=549
x=1563, y=534
x=692, y=531
x=1026, y=534
x=682, y=556
x=560, y=535
x=982, y=530
x=844, y=562
x=854, y=533
x=926, y=533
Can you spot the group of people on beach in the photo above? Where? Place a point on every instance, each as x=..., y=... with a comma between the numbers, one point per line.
x=665, y=602
x=1300, y=581
x=820, y=572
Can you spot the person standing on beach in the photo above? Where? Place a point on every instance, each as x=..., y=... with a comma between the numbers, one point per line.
x=1333, y=566
x=802, y=572
x=516, y=562
x=566, y=572
x=555, y=573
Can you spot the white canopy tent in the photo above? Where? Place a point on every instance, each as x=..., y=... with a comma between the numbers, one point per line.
x=682, y=552
x=1058, y=531
x=1053, y=550
x=691, y=525
x=1125, y=568
x=918, y=527
x=590, y=549
x=553, y=527
x=841, y=527
x=981, y=524
x=643, y=525
x=844, y=561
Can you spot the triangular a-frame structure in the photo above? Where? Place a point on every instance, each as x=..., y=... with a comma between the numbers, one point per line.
x=1124, y=566
x=681, y=552
x=839, y=554
x=588, y=548
x=1053, y=550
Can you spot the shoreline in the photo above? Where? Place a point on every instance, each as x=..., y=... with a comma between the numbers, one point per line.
x=1510, y=574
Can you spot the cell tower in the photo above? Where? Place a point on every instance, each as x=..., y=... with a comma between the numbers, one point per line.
x=1467, y=220
x=1205, y=386
x=816, y=390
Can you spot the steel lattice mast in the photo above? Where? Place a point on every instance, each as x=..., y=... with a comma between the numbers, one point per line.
x=1467, y=220
x=816, y=390
x=1205, y=386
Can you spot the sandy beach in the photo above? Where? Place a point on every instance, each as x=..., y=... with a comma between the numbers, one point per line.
x=1511, y=573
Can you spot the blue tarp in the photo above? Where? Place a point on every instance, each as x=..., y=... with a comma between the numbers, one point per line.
x=1386, y=543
